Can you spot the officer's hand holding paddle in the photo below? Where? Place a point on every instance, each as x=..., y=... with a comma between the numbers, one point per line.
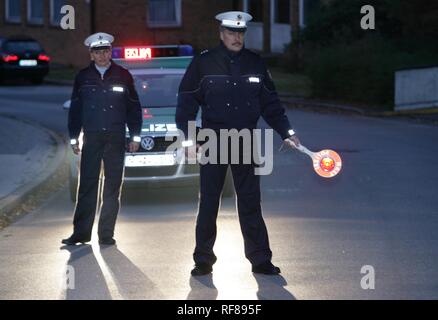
x=292, y=141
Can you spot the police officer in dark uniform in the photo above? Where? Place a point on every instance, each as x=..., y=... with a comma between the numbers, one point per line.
x=103, y=102
x=233, y=88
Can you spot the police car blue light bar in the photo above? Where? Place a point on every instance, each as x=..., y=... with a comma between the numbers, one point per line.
x=149, y=52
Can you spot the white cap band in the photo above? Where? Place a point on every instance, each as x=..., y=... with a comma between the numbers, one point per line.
x=102, y=43
x=235, y=24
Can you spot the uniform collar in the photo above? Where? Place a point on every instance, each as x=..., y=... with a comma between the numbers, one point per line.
x=94, y=67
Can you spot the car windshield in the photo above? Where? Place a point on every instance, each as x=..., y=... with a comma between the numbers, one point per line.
x=157, y=90
x=22, y=46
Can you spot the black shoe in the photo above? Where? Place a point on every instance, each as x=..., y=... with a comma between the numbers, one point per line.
x=201, y=269
x=74, y=240
x=266, y=268
x=107, y=242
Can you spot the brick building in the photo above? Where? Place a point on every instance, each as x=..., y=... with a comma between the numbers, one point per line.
x=40, y=19
x=144, y=22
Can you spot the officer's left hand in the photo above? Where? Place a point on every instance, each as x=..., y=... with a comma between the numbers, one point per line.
x=292, y=141
x=133, y=146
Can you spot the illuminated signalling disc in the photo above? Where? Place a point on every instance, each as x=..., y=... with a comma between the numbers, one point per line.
x=327, y=163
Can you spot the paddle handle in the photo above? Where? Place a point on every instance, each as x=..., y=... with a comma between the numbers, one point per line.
x=303, y=149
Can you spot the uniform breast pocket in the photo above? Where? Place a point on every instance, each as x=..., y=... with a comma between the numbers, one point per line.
x=252, y=86
x=215, y=87
x=117, y=94
x=88, y=92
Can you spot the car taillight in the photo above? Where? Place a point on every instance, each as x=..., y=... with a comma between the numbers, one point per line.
x=10, y=58
x=44, y=57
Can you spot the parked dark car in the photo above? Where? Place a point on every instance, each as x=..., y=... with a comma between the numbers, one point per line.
x=23, y=57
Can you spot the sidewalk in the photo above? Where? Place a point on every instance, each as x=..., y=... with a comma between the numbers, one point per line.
x=29, y=155
x=299, y=102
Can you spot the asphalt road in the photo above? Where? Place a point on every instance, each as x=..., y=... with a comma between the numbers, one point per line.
x=381, y=211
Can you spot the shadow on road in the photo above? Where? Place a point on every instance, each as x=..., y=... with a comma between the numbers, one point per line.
x=202, y=288
x=272, y=288
x=88, y=280
x=269, y=288
x=131, y=282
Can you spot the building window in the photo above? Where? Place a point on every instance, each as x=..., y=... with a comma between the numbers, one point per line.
x=55, y=11
x=282, y=11
x=255, y=8
x=309, y=7
x=35, y=9
x=12, y=11
x=164, y=13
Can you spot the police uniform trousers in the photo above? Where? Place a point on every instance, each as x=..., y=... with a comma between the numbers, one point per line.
x=247, y=186
x=108, y=148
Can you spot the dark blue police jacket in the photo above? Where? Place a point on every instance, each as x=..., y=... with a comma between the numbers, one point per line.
x=104, y=105
x=233, y=90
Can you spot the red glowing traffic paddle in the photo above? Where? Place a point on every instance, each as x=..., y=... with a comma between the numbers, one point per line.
x=326, y=163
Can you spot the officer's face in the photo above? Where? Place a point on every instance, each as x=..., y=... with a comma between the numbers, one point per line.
x=101, y=57
x=232, y=40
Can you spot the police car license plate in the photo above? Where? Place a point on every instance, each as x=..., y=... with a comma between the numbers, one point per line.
x=150, y=160
x=27, y=63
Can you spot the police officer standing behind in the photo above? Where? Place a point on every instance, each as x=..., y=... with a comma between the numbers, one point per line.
x=103, y=101
x=233, y=88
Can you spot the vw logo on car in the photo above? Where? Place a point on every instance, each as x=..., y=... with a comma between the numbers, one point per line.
x=147, y=143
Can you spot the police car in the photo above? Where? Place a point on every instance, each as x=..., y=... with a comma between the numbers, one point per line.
x=157, y=73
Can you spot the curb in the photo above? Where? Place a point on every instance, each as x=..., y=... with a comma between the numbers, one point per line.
x=302, y=102
x=11, y=202
x=425, y=115
x=68, y=83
